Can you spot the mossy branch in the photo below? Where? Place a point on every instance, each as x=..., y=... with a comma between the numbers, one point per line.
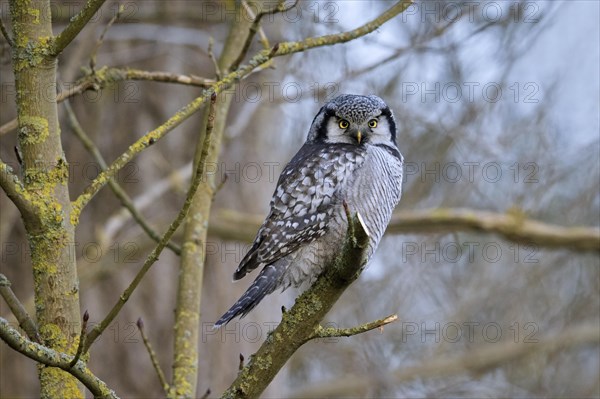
x=14, y=189
x=107, y=76
x=78, y=22
x=185, y=112
x=153, y=257
x=52, y=358
x=113, y=184
x=301, y=323
x=330, y=332
x=513, y=226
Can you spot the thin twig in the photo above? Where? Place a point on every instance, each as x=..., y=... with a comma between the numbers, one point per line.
x=220, y=186
x=280, y=8
x=475, y=360
x=241, y=363
x=44, y=355
x=17, y=308
x=153, y=357
x=77, y=23
x=82, y=335
x=10, y=41
x=212, y=57
x=153, y=257
x=261, y=58
x=107, y=76
x=331, y=332
x=113, y=184
x=101, y=38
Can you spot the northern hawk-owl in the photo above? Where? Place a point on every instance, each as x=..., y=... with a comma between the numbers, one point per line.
x=351, y=159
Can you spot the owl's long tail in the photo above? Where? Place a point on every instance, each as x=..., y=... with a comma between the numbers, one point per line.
x=265, y=283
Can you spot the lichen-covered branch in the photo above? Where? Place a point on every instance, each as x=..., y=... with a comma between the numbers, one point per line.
x=478, y=360
x=52, y=358
x=331, y=332
x=17, y=308
x=153, y=257
x=116, y=188
x=14, y=189
x=77, y=23
x=107, y=76
x=513, y=226
x=301, y=323
x=185, y=112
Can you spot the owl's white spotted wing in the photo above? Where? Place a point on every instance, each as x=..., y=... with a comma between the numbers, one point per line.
x=302, y=203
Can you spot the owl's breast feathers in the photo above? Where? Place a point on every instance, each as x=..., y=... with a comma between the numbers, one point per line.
x=303, y=202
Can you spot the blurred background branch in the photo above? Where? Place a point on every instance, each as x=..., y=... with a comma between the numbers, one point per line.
x=512, y=225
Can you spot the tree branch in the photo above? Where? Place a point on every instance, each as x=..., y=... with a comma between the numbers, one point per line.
x=513, y=226
x=231, y=78
x=52, y=358
x=478, y=360
x=280, y=8
x=153, y=257
x=17, y=308
x=106, y=76
x=78, y=22
x=153, y=357
x=331, y=332
x=301, y=323
x=9, y=40
x=15, y=190
x=113, y=184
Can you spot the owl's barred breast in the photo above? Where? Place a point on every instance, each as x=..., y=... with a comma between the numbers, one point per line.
x=373, y=189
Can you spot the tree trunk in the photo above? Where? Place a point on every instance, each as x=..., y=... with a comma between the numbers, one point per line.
x=45, y=174
x=193, y=255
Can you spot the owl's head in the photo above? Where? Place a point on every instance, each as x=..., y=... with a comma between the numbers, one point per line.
x=353, y=119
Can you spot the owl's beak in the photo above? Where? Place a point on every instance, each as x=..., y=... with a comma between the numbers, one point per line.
x=358, y=136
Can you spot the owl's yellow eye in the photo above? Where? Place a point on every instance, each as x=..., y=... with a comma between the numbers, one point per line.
x=373, y=123
x=343, y=124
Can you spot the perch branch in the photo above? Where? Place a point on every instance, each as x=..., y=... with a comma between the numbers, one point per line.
x=301, y=323
x=52, y=358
